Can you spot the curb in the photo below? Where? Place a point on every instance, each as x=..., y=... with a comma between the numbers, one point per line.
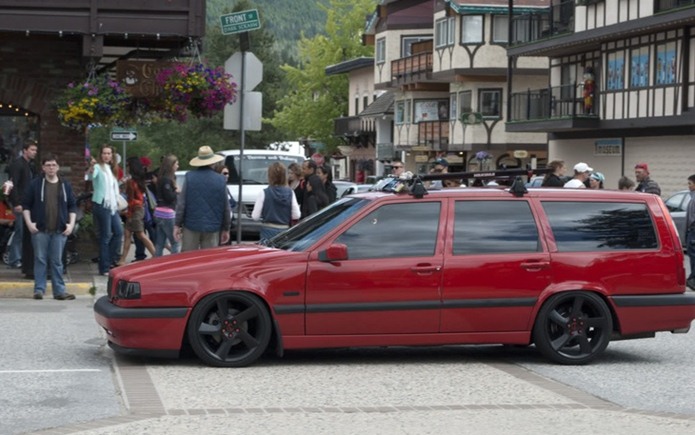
x=25, y=289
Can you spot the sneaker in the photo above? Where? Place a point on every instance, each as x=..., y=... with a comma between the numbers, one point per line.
x=38, y=295
x=64, y=297
x=17, y=265
x=691, y=283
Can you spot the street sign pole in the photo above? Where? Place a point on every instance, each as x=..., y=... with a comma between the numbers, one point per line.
x=243, y=46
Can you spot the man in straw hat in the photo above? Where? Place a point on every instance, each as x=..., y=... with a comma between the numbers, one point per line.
x=202, y=209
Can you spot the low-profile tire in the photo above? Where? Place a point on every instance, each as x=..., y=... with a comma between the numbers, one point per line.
x=230, y=329
x=573, y=327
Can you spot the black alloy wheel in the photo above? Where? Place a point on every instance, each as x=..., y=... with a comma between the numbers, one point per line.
x=573, y=327
x=230, y=329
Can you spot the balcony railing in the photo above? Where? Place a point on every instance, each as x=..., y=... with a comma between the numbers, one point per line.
x=665, y=5
x=557, y=19
x=412, y=68
x=352, y=126
x=434, y=134
x=557, y=102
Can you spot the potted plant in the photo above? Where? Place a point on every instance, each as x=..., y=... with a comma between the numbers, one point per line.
x=97, y=100
x=195, y=90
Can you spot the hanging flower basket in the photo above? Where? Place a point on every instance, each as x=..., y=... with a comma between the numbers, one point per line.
x=97, y=100
x=194, y=90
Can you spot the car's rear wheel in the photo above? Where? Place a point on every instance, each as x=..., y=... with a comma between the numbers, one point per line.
x=230, y=329
x=573, y=327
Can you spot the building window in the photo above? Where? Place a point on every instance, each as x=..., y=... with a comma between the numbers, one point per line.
x=381, y=50
x=453, y=113
x=472, y=29
x=444, y=32
x=357, y=105
x=399, y=115
x=407, y=44
x=615, y=76
x=639, y=67
x=500, y=29
x=665, y=68
x=408, y=114
x=490, y=102
x=466, y=101
x=365, y=102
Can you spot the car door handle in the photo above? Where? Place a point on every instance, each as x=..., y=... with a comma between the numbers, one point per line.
x=533, y=266
x=423, y=269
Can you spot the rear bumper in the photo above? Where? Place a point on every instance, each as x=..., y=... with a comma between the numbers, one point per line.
x=653, y=313
x=143, y=331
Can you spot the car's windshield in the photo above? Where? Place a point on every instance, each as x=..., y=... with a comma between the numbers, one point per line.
x=255, y=167
x=308, y=231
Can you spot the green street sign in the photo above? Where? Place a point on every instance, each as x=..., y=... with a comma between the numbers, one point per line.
x=240, y=22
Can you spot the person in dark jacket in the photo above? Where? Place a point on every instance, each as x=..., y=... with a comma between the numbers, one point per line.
x=645, y=184
x=557, y=177
x=21, y=173
x=276, y=206
x=324, y=173
x=314, y=193
x=203, y=215
x=49, y=209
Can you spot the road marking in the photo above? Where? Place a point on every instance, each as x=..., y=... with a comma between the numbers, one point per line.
x=50, y=371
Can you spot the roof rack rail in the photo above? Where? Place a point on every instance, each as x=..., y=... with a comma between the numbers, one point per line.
x=413, y=184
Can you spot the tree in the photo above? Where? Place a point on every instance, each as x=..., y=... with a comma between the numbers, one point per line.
x=315, y=99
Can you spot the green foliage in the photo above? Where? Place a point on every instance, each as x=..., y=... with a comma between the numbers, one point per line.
x=286, y=20
x=316, y=99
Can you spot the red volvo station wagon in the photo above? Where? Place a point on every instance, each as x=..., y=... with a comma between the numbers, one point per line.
x=565, y=270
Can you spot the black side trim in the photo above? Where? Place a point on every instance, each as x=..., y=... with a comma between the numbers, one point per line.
x=105, y=308
x=174, y=353
x=490, y=303
x=655, y=300
x=414, y=305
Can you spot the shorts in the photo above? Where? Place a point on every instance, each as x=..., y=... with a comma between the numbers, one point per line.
x=136, y=222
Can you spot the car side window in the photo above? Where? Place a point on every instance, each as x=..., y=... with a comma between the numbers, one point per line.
x=676, y=203
x=490, y=227
x=600, y=226
x=394, y=230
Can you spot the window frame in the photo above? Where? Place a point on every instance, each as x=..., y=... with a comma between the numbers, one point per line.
x=380, y=51
x=481, y=97
x=482, y=29
x=493, y=40
x=640, y=56
x=407, y=42
x=444, y=32
x=666, y=49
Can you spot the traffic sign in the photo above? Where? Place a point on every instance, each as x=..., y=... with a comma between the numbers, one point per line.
x=240, y=22
x=124, y=135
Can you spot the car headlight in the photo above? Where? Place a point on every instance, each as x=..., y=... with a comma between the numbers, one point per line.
x=128, y=290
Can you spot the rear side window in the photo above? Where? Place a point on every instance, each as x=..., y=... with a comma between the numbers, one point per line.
x=600, y=226
x=489, y=227
x=394, y=230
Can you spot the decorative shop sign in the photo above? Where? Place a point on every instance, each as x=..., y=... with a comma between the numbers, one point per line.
x=138, y=77
x=608, y=147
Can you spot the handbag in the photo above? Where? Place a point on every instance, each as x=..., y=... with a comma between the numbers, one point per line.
x=121, y=203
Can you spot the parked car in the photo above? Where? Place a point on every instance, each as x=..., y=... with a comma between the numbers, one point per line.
x=566, y=271
x=535, y=181
x=344, y=188
x=677, y=204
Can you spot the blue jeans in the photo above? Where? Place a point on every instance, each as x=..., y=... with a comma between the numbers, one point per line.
x=110, y=236
x=165, y=231
x=15, y=248
x=48, y=252
x=268, y=233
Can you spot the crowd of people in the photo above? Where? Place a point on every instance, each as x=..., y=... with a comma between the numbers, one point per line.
x=146, y=208
x=149, y=209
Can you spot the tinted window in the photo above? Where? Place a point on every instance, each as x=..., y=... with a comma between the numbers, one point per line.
x=600, y=226
x=394, y=230
x=484, y=227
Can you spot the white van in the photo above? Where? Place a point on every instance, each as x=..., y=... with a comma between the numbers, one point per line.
x=254, y=168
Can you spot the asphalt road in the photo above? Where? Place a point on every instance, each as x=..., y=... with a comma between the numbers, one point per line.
x=55, y=372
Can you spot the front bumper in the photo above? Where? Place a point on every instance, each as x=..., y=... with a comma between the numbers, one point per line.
x=144, y=331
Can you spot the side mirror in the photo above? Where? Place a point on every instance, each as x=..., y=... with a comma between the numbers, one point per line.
x=335, y=252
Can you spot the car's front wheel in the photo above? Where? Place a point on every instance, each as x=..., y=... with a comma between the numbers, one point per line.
x=573, y=327
x=230, y=329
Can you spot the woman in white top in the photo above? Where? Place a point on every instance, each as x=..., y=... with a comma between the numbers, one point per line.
x=103, y=172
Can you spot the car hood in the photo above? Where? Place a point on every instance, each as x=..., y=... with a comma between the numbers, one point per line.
x=180, y=279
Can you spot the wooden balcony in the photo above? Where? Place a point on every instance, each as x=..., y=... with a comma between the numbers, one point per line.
x=665, y=5
x=557, y=19
x=556, y=108
x=412, y=69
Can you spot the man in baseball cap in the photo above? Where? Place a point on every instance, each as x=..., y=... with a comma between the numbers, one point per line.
x=645, y=184
x=582, y=171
